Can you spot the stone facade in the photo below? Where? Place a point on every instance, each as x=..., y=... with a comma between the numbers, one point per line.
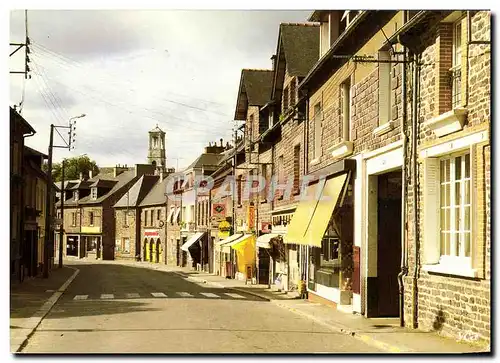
x=153, y=233
x=127, y=238
x=448, y=302
x=173, y=242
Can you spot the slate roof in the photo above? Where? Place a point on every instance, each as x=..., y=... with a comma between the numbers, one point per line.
x=157, y=194
x=138, y=191
x=300, y=44
x=256, y=84
x=210, y=161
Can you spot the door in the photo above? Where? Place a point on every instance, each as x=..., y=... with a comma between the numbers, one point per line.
x=263, y=268
x=388, y=247
x=158, y=251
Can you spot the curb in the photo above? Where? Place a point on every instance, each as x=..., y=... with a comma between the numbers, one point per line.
x=46, y=307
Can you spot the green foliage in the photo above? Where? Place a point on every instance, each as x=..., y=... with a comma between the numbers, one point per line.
x=72, y=168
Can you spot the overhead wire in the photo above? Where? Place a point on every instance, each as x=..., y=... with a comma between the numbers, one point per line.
x=72, y=63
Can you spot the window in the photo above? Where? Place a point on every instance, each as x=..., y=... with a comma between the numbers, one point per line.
x=455, y=206
x=285, y=99
x=93, y=193
x=145, y=218
x=264, y=191
x=293, y=92
x=126, y=245
x=250, y=129
x=271, y=119
x=191, y=217
x=318, y=132
x=155, y=141
x=198, y=219
x=296, y=169
x=75, y=195
x=456, y=70
x=73, y=219
x=151, y=217
x=384, y=90
x=346, y=109
x=171, y=215
x=158, y=214
x=91, y=218
x=238, y=186
x=184, y=216
x=125, y=218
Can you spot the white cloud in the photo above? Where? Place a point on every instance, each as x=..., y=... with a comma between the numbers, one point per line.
x=128, y=70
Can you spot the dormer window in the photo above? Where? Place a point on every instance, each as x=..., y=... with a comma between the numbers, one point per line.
x=75, y=195
x=93, y=193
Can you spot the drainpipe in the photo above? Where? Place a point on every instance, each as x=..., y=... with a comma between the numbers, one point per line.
x=414, y=187
x=404, y=256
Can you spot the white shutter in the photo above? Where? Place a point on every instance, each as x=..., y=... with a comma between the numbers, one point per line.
x=431, y=212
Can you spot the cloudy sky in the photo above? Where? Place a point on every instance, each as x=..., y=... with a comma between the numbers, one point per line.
x=130, y=70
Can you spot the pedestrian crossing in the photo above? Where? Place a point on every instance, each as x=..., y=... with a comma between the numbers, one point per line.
x=158, y=295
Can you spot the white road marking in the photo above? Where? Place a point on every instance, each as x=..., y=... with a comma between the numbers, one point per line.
x=185, y=294
x=209, y=294
x=132, y=295
x=158, y=294
x=236, y=296
x=107, y=296
x=80, y=297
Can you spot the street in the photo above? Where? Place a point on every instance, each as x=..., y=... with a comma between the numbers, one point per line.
x=112, y=308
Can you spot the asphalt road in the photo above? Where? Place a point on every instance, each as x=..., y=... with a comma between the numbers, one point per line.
x=112, y=308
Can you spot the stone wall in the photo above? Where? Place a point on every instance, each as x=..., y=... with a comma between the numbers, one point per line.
x=126, y=230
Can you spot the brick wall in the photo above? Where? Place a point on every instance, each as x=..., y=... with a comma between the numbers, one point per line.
x=447, y=303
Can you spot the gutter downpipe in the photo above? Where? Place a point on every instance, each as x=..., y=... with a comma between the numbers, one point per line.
x=404, y=255
x=414, y=191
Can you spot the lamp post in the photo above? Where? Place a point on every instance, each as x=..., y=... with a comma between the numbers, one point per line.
x=49, y=196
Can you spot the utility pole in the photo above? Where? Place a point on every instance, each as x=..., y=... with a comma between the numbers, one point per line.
x=49, y=195
x=61, y=228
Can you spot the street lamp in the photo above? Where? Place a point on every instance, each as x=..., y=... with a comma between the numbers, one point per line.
x=48, y=200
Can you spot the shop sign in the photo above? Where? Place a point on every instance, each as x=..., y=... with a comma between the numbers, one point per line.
x=219, y=209
x=265, y=227
x=151, y=233
x=251, y=217
x=224, y=229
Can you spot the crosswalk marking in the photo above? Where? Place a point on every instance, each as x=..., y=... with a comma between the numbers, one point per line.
x=158, y=294
x=107, y=296
x=132, y=295
x=236, y=296
x=209, y=294
x=80, y=297
x=185, y=294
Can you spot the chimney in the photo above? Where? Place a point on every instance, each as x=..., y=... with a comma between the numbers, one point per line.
x=273, y=59
x=221, y=143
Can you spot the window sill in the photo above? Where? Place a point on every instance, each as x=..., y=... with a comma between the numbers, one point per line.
x=315, y=161
x=341, y=149
x=384, y=128
x=448, y=122
x=451, y=270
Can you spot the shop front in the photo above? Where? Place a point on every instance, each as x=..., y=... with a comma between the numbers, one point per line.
x=322, y=226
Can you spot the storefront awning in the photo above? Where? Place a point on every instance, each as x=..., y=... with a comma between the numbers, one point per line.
x=263, y=241
x=310, y=220
x=195, y=238
x=324, y=209
x=229, y=239
x=240, y=241
x=303, y=214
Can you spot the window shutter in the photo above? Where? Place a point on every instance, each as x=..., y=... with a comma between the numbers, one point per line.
x=431, y=212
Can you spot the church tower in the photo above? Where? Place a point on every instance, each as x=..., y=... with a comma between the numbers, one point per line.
x=156, y=152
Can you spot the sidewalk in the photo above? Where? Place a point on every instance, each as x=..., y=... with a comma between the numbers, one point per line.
x=31, y=300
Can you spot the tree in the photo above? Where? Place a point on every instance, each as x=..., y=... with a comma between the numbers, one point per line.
x=72, y=168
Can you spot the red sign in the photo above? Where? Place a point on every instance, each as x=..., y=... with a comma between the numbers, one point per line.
x=265, y=227
x=151, y=233
x=219, y=209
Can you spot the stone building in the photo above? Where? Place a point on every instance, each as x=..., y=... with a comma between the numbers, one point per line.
x=447, y=285
x=89, y=217
x=175, y=256
x=153, y=223
x=19, y=130
x=128, y=218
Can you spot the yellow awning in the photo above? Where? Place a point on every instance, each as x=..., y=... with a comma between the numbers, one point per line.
x=324, y=209
x=303, y=214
